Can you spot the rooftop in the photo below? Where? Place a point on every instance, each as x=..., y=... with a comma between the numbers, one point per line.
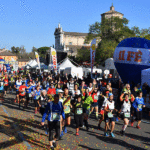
x=6, y=53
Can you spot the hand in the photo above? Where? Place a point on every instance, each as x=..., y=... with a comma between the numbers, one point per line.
x=42, y=123
x=143, y=106
x=137, y=109
x=39, y=105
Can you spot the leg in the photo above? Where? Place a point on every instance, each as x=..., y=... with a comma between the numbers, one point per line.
x=96, y=111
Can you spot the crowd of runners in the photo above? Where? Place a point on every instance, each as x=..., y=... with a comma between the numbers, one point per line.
x=58, y=97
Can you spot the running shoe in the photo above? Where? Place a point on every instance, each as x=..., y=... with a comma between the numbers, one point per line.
x=138, y=127
x=77, y=134
x=87, y=128
x=131, y=124
x=112, y=135
x=65, y=129
x=52, y=148
x=54, y=144
x=61, y=135
x=117, y=119
x=106, y=134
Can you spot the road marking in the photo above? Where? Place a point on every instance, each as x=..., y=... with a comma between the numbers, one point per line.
x=15, y=127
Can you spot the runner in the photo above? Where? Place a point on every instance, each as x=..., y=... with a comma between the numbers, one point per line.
x=5, y=85
x=87, y=102
x=22, y=94
x=138, y=104
x=109, y=116
x=17, y=85
x=78, y=114
x=67, y=105
x=55, y=109
x=125, y=112
x=37, y=94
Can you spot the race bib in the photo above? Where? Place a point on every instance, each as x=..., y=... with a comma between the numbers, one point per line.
x=30, y=95
x=55, y=116
x=45, y=103
x=110, y=115
x=96, y=97
x=22, y=93
x=127, y=115
x=67, y=109
x=79, y=111
x=37, y=97
x=140, y=106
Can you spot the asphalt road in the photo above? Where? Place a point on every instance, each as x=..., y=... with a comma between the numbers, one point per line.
x=21, y=130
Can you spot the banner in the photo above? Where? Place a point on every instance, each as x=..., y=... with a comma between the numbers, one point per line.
x=37, y=59
x=92, y=54
x=54, y=59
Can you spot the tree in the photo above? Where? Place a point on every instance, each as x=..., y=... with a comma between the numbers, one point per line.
x=34, y=49
x=42, y=51
x=15, y=50
x=110, y=32
x=83, y=54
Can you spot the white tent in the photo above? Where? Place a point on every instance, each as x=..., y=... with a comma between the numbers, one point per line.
x=66, y=63
x=109, y=64
x=145, y=76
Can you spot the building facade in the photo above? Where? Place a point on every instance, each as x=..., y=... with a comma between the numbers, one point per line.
x=70, y=42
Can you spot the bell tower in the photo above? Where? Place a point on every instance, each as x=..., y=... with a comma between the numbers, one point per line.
x=58, y=38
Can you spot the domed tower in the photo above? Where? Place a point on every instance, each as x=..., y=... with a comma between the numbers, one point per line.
x=111, y=13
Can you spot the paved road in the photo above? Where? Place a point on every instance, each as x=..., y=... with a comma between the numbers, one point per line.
x=20, y=129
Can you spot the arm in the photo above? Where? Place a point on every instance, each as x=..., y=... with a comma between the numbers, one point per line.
x=46, y=111
x=62, y=112
x=121, y=97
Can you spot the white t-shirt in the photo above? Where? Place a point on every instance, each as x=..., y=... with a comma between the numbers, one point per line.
x=126, y=107
x=61, y=100
x=111, y=105
x=75, y=93
x=90, y=88
x=104, y=102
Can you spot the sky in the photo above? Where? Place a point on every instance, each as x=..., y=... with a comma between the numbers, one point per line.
x=33, y=22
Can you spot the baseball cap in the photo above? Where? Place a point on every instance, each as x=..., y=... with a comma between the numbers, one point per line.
x=60, y=91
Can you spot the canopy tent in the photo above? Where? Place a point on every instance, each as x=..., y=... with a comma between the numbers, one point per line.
x=43, y=66
x=66, y=63
x=145, y=76
x=109, y=64
x=32, y=64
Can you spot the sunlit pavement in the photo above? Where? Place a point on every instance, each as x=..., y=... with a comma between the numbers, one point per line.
x=20, y=129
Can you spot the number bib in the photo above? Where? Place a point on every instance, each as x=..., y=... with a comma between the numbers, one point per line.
x=30, y=95
x=22, y=93
x=67, y=109
x=139, y=106
x=127, y=115
x=37, y=97
x=96, y=97
x=79, y=111
x=55, y=116
x=110, y=115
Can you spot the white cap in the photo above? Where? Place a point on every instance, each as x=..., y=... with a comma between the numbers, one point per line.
x=60, y=91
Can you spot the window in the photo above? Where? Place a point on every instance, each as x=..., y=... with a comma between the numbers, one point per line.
x=70, y=43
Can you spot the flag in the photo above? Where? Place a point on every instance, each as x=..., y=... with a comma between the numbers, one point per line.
x=92, y=54
x=37, y=59
x=54, y=59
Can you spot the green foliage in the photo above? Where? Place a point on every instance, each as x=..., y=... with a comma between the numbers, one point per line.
x=110, y=32
x=83, y=54
x=105, y=50
x=42, y=51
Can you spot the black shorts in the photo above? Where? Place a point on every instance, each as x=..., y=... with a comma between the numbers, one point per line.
x=36, y=103
x=54, y=125
x=138, y=115
x=109, y=119
x=5, y=88
x=67, y=115
x=78, y=120
x=17, y=92
x=21, y=97
x=123, y=117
